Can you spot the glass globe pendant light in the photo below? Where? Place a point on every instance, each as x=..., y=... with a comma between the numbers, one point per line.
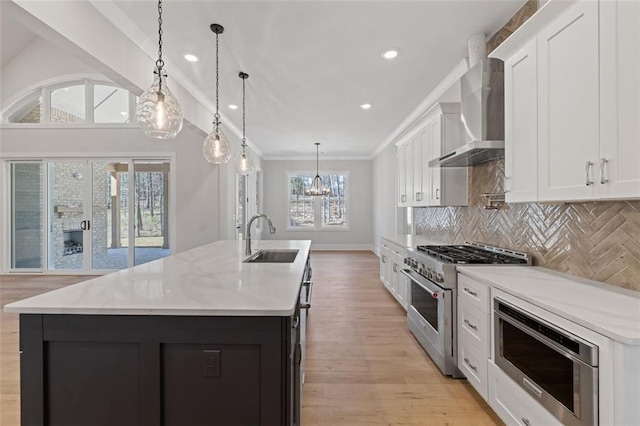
x=244, y=165
x=216, y=147
x=157, y=110
x=317, y=188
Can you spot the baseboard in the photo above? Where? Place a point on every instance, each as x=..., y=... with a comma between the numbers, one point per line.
x=341, y=247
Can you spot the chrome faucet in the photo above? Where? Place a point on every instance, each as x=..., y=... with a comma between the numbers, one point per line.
x=272, y=230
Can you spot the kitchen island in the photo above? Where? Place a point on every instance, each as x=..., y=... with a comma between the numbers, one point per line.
x=199, y=337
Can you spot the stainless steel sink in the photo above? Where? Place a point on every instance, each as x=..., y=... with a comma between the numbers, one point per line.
x=272, y=256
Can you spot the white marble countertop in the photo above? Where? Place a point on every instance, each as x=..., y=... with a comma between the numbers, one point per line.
x=605, y=309
x=210, y=280
x=410, y=241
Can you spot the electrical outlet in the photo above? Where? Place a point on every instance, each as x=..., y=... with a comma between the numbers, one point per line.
x=211, y=363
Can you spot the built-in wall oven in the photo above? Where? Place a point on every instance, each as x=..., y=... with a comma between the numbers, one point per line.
x=557, y=368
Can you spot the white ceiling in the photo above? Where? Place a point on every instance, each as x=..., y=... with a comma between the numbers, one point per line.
x=13, y=38
x=311, y=63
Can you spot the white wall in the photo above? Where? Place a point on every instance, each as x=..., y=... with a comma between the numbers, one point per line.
x=196, y=191
x=359, y=237
x=384, y=208
x=39, y=62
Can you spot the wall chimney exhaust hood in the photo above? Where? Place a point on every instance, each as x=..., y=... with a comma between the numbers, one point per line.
x=482, y=116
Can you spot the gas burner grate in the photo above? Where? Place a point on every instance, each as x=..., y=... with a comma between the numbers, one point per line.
x=469, y=254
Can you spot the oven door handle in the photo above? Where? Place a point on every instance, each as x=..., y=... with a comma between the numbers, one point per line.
x=407, y=273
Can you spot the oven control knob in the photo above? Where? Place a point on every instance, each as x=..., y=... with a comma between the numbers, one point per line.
x=406, y=261
x=439, y=277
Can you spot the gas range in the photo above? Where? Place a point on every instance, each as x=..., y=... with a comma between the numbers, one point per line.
x=432, y=312
x=437, y=262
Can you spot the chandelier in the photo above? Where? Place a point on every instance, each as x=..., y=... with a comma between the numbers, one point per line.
x=317, y=189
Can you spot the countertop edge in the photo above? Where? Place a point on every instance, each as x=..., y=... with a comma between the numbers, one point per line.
x=471, y=272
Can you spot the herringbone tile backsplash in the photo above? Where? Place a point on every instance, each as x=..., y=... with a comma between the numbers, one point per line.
x=599, y=240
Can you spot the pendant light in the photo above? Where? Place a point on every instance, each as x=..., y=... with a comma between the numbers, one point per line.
x=216, y=148
x=317, y=188
x=244, y=165
x=158, y=111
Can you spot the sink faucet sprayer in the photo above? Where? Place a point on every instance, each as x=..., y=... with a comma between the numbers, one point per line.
x=272, y=230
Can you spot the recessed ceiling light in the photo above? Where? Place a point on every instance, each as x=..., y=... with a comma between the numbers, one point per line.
x=123, y=113
x=365, y=106
x=232, y=106
x=191, y=58
x=390, y=54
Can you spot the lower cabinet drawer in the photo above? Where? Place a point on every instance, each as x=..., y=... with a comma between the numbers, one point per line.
x=512, y=404
x=473, y=364
x=473, y=326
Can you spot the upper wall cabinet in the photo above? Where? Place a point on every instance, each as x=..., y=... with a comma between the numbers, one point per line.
x=521, y=125
x=432, y=186
x=572, y=90
x=568, y=104
x=619, y=162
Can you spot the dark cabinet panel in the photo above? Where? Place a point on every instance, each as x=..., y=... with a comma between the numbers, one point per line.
x=92, y=383
x=200, y=389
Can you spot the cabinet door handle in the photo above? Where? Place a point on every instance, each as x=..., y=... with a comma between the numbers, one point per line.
x=437, y=193
x=384, y=259
x=470, y=325
x=506, y=184
x=471, y=292
x=418, y=196
x=473, y=367
x=603, y=179
x=526, y=421
x=295, y=323
x=587, y=167
x=403, y=198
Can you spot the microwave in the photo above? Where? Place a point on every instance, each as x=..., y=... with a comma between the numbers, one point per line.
x=559, y=369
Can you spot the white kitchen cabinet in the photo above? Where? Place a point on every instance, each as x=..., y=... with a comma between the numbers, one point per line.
x=402, y=177
x=432, y=186
x=513, y=404
x=568, y=104
x=618, y=165
x=391, y=262
x=448, y=186
x=521, y=126
x=385, y=258
x=474, y=334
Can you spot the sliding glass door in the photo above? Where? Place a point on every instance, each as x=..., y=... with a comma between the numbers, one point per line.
x=27, y=219
x=88, y=215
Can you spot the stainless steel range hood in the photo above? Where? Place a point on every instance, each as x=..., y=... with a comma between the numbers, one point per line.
x=482, y=117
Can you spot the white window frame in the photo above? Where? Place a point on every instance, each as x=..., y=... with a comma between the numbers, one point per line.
x=44, y=92
x=317, y=204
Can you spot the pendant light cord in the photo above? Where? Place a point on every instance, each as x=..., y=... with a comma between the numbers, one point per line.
x=317, y=159
x=160, y=62
x=217, y=114
x=244, y=109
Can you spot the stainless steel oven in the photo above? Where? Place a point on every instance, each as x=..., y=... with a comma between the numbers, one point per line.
x=558, y=368
x=429, y=317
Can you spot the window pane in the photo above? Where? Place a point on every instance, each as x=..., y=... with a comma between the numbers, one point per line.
x=68, y=105
x=26, y=215
x=110, y=104
x=301, y=214
x=334, y=207
x=30, y=112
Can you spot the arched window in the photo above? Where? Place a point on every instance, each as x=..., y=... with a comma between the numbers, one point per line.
x=75, y=102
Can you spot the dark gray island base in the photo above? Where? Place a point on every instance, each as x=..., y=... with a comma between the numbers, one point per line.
x=159, y=370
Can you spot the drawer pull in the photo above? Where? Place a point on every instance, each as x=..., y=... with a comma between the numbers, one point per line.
x=471, y=366
x=526, y=421
x=470, y=325
x=471, y=292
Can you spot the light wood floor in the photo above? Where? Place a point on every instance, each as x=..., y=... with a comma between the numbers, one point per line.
x=363, y=365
